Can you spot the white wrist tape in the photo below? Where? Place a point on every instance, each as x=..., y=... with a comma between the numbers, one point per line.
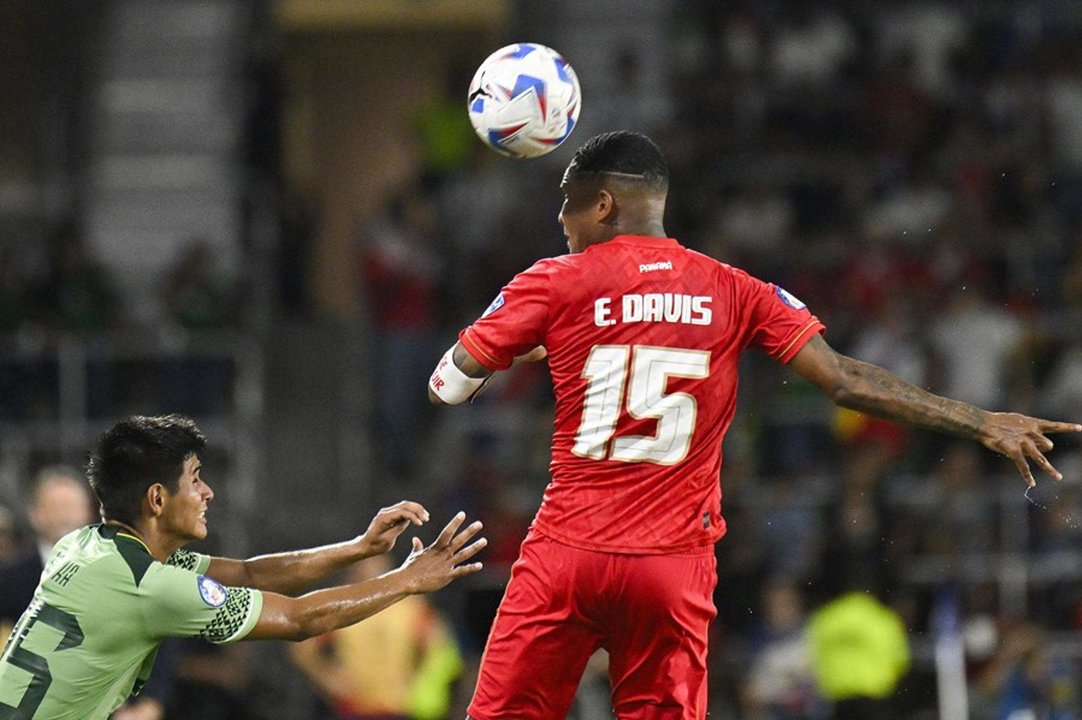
x=451, y=384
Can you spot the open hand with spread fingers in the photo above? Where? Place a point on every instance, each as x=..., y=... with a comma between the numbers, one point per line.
x=433, y=567
x=1023, y=439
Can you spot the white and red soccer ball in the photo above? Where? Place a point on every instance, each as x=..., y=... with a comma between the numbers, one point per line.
x=524, y=100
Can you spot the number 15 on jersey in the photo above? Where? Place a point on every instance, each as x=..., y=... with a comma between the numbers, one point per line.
x=644, y=371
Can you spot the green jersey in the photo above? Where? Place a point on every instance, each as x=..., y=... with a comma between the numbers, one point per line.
x=89, y=638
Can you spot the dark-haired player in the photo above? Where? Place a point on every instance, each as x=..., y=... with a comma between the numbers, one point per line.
x=643, y=338
x=111, y=592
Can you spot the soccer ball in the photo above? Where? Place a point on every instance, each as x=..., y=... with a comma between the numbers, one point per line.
x=524, y=100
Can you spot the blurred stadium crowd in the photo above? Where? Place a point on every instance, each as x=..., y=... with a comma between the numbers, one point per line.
x=911, y=171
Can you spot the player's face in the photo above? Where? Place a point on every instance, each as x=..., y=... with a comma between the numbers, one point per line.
x=185, y=513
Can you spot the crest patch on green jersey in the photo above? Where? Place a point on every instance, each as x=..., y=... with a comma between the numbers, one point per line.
x=211, y=591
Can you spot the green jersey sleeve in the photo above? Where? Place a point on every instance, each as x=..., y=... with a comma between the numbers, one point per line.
x=188, y=560
x=183, y=603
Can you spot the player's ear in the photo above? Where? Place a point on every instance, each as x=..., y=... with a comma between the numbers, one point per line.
x=156, y=497
x=605, y=206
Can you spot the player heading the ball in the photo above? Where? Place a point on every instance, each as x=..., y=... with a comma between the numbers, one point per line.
x=643, y=338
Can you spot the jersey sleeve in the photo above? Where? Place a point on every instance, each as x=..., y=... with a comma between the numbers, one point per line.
x=182, y=603
x=188, y=560
x=777, y=322
x=514, y=323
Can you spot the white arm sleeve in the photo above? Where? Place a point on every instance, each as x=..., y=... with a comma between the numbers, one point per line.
x=450, y=384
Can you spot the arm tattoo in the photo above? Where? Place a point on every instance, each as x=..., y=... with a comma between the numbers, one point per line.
x=873, y=390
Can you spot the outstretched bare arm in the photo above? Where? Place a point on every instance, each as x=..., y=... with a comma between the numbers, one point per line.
x=292, y=572
x=427, y=569
x=871, y=389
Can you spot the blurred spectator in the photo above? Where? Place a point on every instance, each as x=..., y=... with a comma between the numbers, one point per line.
x=397, y=665
x=906, y=213
x=780, y=683
x=791, y=521
x=859, y=653
x=1063, y=391
x=854, y=555
x=975, y=340
x=635, y=104
x=400, y=284
x=755, y=227
x=1064, y=104
x=899, y=116
x=956, y=525
x=474, y=230
x=931, y=33
x=811, y=45
x=892, y=339
x=743, y=39
x=443, y=127
x=76, y=297
x=1025, y=679
x=876, y=274
x=59, y=503
x=196, y=298
x=77, y=293
x=195, y=295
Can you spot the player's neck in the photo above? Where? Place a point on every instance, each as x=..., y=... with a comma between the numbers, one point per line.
x=645, y=228
x=160, y=545
x=131, y=531
x=642, y=214
x=652, y=229
x=125, y=527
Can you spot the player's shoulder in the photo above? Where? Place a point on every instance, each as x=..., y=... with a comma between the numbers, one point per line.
x=111, y=557
x=736, y=275
x=86, y=570
x=84, y=547
x=169, y=588
x=550, y=272
x=554, y=265
x=702, y=258
x=721, y=269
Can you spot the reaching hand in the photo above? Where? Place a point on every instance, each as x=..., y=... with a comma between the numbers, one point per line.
x=389, y=523
x=1023, y=438
x=435, y=566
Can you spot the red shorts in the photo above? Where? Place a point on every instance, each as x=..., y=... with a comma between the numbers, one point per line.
x=650, y=612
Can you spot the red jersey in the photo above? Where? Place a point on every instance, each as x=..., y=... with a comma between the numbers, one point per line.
x=643, y=339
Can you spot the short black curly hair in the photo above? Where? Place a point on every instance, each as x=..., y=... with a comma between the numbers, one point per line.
x=623, y=152
x=135, y=453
